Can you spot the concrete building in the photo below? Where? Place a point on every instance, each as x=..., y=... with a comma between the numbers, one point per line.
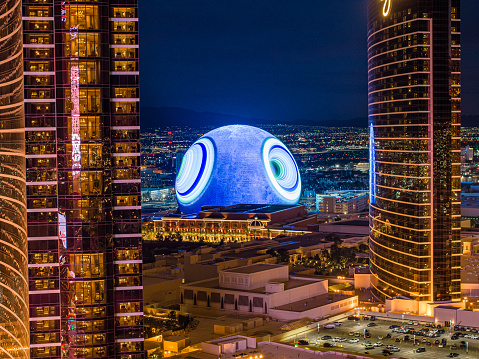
x=344, y=202
x=264, y=289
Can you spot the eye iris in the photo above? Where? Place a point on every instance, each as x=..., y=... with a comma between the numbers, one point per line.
x=277, y=168
x=282, y=169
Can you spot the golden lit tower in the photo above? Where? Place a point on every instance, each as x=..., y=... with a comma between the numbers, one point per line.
x=83, y=178
x=14, y=335
x=414, y=120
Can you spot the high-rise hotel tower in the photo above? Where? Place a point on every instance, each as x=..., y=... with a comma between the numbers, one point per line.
x=13, y=210
x=83, y=178
x=414, y=120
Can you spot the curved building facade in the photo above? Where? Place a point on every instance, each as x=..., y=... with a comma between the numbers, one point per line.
x=414, y=120
x=14, y=331
x=237, y=165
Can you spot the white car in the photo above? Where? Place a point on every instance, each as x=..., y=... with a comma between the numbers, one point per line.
x=337, y=339
x=378, y=344
x=394, y=349
x=338, y=323
x=329, y=326
x=354, y=340
x=342, y=340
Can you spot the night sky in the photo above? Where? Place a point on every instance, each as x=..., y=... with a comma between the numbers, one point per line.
x=271, y=59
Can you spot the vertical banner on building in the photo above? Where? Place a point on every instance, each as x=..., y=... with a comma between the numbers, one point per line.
x=75, y=112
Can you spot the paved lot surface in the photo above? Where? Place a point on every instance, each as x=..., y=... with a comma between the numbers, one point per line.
x=382, y=329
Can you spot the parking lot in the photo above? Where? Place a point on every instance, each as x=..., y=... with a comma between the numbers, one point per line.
x=407, y=348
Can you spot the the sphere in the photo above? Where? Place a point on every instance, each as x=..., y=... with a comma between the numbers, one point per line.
x=237, y=165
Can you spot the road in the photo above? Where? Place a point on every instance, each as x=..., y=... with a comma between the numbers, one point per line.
x=382, y=329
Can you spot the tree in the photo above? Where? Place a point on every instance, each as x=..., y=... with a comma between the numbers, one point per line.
x=272, y=252
x=283, y=255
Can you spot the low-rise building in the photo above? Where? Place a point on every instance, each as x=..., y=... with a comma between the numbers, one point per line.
x=342, y=202
x=264, y=289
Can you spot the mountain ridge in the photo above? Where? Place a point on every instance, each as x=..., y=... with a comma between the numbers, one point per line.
x=155, y=117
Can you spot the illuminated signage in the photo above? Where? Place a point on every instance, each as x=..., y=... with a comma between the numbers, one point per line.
x=387, y=7
x=62, y=229
x=75, y=105
x=63, y=11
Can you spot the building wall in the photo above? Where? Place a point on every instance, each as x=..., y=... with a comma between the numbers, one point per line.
x=83, y=178
x=14, y=325
x=414, y=119
x=239, y=301
x=328, y=309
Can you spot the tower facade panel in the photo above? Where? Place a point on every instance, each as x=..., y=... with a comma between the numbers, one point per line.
x=82, y=128
x=14, y=336
x=414, y=121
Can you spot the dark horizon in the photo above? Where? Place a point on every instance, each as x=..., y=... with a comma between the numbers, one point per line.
x=276, y=61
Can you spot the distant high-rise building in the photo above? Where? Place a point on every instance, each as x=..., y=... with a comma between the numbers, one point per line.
x=83, y=178
x=414, y=119
x=14, y=337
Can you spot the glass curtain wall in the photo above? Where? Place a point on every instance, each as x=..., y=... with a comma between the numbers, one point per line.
x=14, y=333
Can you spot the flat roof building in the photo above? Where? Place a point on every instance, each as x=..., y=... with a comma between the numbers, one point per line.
x=265, y=289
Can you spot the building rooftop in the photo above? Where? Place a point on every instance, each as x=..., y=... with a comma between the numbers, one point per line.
x=288, y=284
x=354, y=222
x=313, y=302
x=253, y=208
x=255, y=268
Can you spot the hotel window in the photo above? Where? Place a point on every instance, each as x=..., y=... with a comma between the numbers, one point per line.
x=90, y=128
x=124, y=107
x=123, y=26
x=38, y=39
x=123, y=39
x=129, y=174
x=125, y=201
x=88, y=265
x=124, y=255
x=38, y=66
x=124, y=66
x=37, y=11
x=38, y=80
x=38, y=25
x=90, y=100
x=86, y=17
x=38, y=94
x=125, y=93
x=89, y=71
x=85, y=45
x=126, y=147
x=38, y=53
x=123, y=12
x=123, y=53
